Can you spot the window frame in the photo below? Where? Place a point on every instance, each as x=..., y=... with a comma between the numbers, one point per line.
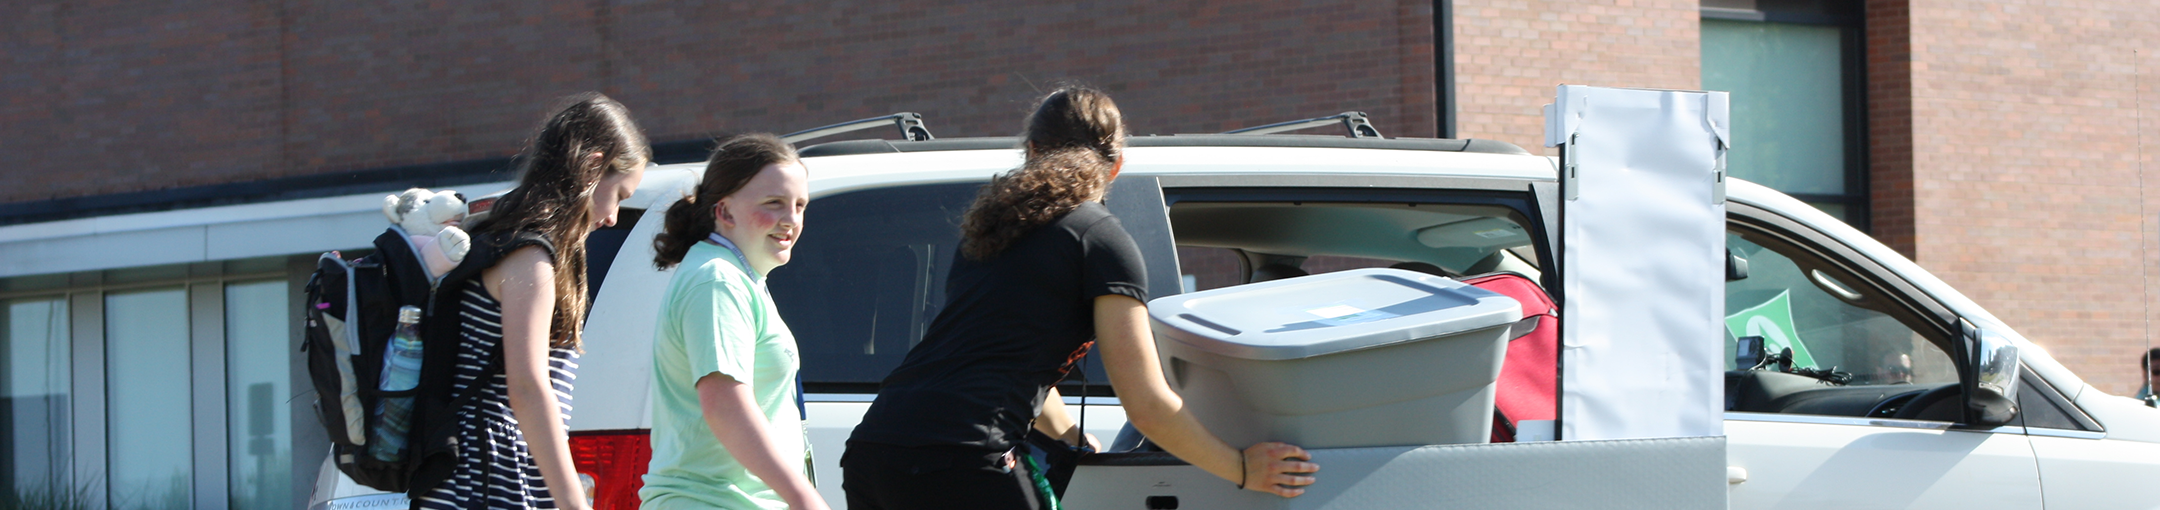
x=1852, y=65
x=1908, y=304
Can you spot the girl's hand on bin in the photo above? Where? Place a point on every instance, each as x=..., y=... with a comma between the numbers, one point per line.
x=1279, y=469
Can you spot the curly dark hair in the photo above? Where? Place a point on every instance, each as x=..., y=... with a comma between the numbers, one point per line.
x=1075, y=140
x=554, y=194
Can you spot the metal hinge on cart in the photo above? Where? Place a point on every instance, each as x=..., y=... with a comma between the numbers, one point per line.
x=1356, y=123
x=910, y=124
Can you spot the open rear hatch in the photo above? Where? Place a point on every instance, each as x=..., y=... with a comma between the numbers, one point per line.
x=1336, y=364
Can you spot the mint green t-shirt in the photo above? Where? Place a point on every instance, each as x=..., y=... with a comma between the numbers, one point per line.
x=717, y=317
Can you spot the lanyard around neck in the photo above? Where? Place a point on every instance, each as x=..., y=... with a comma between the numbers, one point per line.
x=723, y=241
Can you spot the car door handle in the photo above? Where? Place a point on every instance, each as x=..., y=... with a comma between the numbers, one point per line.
x=1734, y=475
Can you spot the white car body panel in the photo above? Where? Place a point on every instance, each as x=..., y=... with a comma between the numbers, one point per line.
x=617, y=362
x=1814, y=462
x=2093, y=473
x=830, y=424
x=2125, y=418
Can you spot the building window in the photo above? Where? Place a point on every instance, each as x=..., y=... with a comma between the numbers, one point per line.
x=258, y=382
x=149, y=411
x=1797, y=124
x=34, y=383
x=130, y=388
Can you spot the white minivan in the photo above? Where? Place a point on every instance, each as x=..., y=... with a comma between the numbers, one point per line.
x=1866, y=413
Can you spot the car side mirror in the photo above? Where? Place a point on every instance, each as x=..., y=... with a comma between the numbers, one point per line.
x=1991, y=395
x=1735, y=266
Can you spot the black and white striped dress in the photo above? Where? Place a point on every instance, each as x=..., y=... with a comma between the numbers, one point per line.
x=495, y=470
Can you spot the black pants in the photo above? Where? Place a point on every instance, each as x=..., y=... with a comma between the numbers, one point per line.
x=886, y=477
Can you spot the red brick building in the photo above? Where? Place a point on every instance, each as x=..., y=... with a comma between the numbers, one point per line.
x=1999, y=143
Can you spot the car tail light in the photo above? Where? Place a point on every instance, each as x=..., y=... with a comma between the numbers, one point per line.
x=480, y=206
x=616, y=461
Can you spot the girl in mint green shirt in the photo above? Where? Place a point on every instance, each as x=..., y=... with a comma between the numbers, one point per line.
x=726, y=430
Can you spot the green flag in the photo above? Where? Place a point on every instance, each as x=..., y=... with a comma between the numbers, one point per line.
x=1772, y=320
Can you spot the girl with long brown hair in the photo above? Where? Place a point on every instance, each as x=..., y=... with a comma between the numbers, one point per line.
x=518, y=323
x=726, y=430
x=1043, y=273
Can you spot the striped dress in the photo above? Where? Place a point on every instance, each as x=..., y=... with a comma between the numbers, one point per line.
x=494, y=470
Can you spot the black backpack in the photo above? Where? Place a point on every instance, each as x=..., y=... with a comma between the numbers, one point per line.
x=351, y=314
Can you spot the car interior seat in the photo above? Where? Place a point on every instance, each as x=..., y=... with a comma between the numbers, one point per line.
x=1491, y=263
x=1426, y=268
x=1504, y=261
x=1529, y=383
x=1276, y=271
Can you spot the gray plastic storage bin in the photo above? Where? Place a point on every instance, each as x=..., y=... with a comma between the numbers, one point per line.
x=1368, y=357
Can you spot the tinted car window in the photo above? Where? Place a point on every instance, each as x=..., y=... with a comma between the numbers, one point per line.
x=2040, y=406
x=601, y=246
x=867, y=278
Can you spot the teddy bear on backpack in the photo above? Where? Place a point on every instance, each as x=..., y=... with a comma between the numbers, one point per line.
x=430, y=220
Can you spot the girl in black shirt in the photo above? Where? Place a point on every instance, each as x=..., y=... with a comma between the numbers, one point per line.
x=1043, y=272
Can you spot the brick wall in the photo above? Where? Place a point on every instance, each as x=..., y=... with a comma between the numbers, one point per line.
x=2027, y=191
x=109, y=97
x=1890, y=126
x=112, y=96
x=1511, y=54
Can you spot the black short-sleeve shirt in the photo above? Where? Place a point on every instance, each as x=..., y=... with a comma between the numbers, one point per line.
x=1012, y=326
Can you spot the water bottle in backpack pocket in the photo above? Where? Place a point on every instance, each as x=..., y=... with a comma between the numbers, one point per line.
x=400, y=373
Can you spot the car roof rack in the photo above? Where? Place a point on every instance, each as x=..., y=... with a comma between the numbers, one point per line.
x=1357, y=123
x=855, y=147
x=697, y=150
x=910, y=124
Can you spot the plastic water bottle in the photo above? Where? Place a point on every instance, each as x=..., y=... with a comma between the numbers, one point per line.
x=401, y=372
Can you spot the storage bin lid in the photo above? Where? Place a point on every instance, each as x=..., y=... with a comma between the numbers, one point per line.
x=1328, y=313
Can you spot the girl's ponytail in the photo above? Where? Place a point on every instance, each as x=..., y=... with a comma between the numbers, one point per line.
x=679, y=230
